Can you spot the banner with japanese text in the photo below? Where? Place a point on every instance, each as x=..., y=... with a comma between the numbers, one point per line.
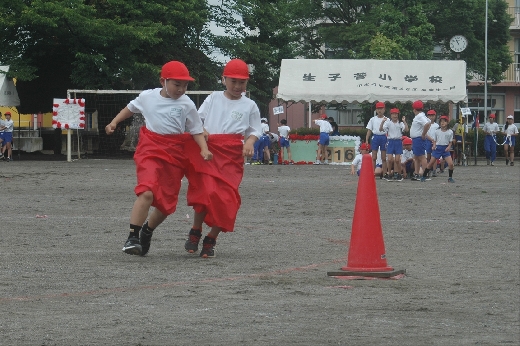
x=341, y=80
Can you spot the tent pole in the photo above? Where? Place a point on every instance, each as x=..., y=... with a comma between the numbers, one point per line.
x=310, y=114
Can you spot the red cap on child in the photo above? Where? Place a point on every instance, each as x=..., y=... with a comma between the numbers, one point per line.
x=380, y=105
x=175, y=70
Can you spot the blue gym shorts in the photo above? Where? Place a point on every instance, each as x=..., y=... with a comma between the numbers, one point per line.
x=284, y=142
x=428, y=145
x=418, y=146
x=510, y=142
x=440, y=151
x=8, y=138
x=394, y=147
x=378, y=142
x=324, y=138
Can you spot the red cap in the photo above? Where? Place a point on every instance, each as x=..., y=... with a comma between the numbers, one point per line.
x=492, y=115
x=323, y=116
x=431, y=112
x=7, y=113
x=445, y=117
x=407, y=141
x=364, y=146
x=236, y=68
x=417, y=105
x=175, y=70
x=394, y=110
x=380, y=105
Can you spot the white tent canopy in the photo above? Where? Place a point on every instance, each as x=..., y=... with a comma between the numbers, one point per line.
x=341, y=80
x=8, y=94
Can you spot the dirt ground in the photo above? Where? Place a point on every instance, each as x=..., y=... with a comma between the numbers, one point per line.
x=65, y=281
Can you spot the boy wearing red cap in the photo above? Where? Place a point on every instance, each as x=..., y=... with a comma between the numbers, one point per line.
x=7, y=136
x=420, y=126
x=490, y=144
x=324, y=141
x=394, y=147
x=377, y=137
x=232, y=125
x=407, y=157
x=159, y=156
x=355, y=168
x=442, y=142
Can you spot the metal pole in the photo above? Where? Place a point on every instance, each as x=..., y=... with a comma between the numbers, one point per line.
x=486, y=65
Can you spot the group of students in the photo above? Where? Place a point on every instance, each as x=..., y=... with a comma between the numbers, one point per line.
x=6, y=136
x=262, y=147
x=510, y=132
x=429, y=144
x=207, y=146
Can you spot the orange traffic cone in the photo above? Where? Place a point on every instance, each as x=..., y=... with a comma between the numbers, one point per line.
x=366, y=255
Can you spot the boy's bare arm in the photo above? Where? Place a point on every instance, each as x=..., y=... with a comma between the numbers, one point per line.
x=204, y=151
x=124, y=114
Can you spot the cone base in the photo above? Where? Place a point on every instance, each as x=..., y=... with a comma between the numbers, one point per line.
x=377, y=274
x=367, y=269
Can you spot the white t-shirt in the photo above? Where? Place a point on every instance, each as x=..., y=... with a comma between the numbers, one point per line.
x=165, y=115
x=265, y=128
x=493, y=128
x=511, y=129
x=221, y=115
x=394, y=130
x=431, y=131
x=374, y=123
x=9, y=125
x=407, y=154
x=357, y=161
x=443, y=137
x=418, y=123
x=284, y=131
x=324, y=125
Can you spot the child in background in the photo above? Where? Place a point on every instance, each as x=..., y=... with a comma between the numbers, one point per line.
x=490, y=144
x=232, y=125
x=442, y=142
x=510, y=131
x=356, y=163
x=407, y=162
x=284, y=130
x=6, y=127
x=428, y=143
x=418, y=130
x=377, y=137
x=159, y=157
x=394, y=130
x=323, y=143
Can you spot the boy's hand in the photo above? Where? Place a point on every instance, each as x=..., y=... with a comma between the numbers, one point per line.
x=248, y=149
x=110, y=128
x=206, y=154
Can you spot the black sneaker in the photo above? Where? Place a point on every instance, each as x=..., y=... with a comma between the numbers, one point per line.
x=192, y=244
x=507, y=162
x=132, y=246
x=208, y=247
x=398, y=177
x=145, y=237
x=415, y=177
x=387, y=177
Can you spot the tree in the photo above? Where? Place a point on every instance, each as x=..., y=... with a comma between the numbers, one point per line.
x=100, y=44
x=257, y=33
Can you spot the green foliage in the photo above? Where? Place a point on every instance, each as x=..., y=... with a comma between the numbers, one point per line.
x=99, y=44
x=262, y=39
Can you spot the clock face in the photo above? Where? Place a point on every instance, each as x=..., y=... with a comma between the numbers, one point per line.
x=458, y=43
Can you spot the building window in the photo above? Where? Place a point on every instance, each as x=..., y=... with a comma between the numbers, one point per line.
x=347, y=115
x=495, y=104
